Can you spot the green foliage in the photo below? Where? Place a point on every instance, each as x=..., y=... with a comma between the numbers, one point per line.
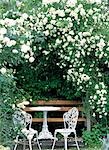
x=93, y=138
x=53, y=51
x=19, y=5
x=9, y=97
x=46, y=82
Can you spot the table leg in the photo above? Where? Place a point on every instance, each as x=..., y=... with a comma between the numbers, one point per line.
x=45, y=134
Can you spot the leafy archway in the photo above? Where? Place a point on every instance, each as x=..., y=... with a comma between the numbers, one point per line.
x=70, y=41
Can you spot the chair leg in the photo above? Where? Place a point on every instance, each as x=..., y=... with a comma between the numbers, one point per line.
x=76, y=141
x=65, y=142
x=38, y=142
x=15, y=146
x=54, y=141
x=30, y=145
x=53, y=144
x=16, y=142
x=24, y=145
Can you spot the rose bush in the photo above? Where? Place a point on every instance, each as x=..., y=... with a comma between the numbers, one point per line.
x=74, y=33
x=73, y=36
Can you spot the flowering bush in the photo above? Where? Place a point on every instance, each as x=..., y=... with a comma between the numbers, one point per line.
x=4, y=148
x=72, y=35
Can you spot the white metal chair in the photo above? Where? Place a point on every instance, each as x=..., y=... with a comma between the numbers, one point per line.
x=23, y=120
x=70, y=120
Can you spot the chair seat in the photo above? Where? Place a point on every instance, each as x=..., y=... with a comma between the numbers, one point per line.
x=65, y=132
x=29, y=133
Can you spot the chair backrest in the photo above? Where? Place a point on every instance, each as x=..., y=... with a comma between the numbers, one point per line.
x=70, y=118
x=22, y=119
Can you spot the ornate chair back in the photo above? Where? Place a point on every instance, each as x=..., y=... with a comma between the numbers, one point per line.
x=70, y=118
x=22, y=119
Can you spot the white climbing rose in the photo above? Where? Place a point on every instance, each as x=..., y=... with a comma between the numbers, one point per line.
x=31, y=59
x=3, y=70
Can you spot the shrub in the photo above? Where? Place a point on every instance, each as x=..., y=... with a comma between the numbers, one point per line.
x=93, y=138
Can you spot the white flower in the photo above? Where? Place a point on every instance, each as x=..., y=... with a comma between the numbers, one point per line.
x=1, y=37
x=46, y=32
x=71, y=32
x=18, y=3
x=90, y=12
x=105, y=113
x=99, y=74
x=58, y=41
x=11, y=43
x=25, y=48
x=26, y=56
x=94, y=115
x=3, y=70
x=31, y=59
x=13, y=106
x=101, y=44
x=85, y=77
x=2, y=22
x=80, y=6
x=69, y=72
x=20, y=21
x=82, y=12
x=45, y=20
x=52, y=10
x=6, y=40
x=72, y=2
x=77, y=54
x=53, y=22
x=4, y=148
x=100, y=116
x=103, y=91
x=81, y=69
x=1, y=46
x=46, y=52
x=83, y=52
x=69, y=38
x=3, y=31
x=10, y=22
x=95, y=97
x=98, y=91
x=96, y=86
x=90, y=83
x=49, y=26
x=86, y=34
x=25, y=16
x=49, y=1
x=74, y=14
x=15, y=51
x=82, y=42
x=94, y=1
x=61, y=13
x=102, y=84
x=98, y=1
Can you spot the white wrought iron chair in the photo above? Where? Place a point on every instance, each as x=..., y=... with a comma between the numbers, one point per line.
x=70, y=120
x=24, y=120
